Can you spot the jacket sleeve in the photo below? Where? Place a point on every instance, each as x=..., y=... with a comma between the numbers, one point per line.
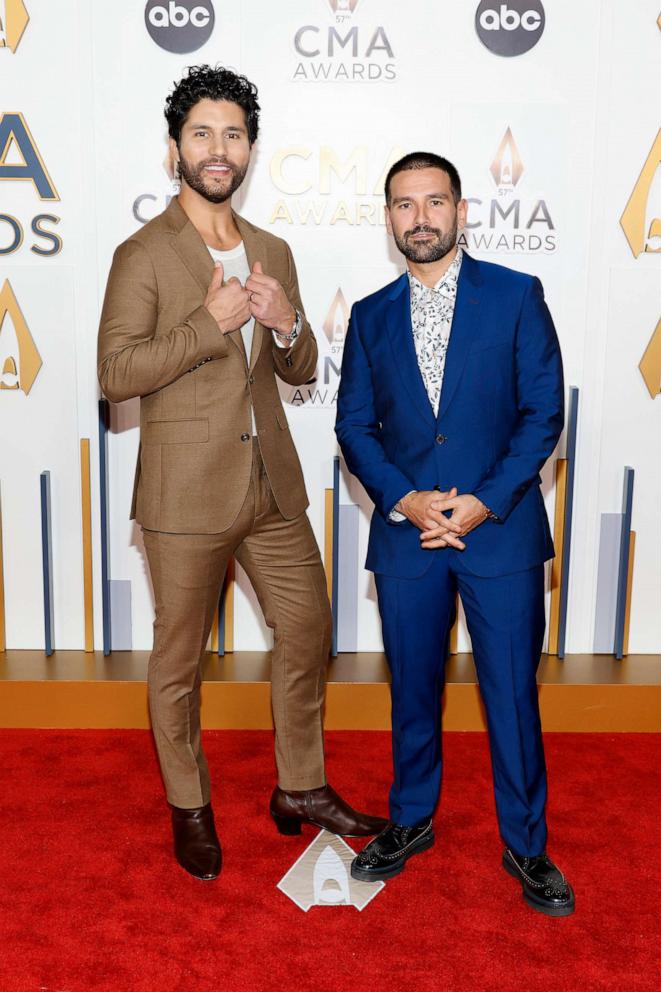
x=357, y=428
x=540, y=399
x=132, y=359
x=297, y=364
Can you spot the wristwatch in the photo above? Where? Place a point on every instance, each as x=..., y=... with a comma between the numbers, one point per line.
x=295, y=331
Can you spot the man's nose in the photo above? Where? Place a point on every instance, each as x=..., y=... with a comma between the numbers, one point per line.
x=421, y=214
x=217, y=146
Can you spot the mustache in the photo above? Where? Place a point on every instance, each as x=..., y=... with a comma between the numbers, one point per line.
x=423, y=229
x=214, y=161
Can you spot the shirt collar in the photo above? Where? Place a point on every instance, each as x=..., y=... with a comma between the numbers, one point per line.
x=446, y=285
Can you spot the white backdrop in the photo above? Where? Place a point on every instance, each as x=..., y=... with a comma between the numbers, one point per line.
x=582, y=109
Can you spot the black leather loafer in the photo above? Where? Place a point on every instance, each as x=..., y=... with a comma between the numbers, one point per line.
x=544, y=886
x=196, y=844
x=386, y=855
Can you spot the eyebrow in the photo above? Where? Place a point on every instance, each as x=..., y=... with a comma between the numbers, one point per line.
x=429, y=196
x=209, y=127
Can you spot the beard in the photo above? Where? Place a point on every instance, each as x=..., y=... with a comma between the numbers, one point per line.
x=426, y=251
x=212, y=190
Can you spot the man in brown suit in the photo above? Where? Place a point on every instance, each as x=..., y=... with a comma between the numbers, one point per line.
x=218, y=474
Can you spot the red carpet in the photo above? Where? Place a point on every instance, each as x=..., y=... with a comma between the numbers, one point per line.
x=92, y=900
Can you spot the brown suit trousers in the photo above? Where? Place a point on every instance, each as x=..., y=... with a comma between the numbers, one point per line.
x=282, y=561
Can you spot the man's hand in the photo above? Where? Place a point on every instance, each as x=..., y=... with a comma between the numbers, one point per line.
x=468, y=512
x=228, y=304
x=422, y=509
x=268, y=301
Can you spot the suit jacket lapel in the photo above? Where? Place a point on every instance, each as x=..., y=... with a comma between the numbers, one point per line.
x=398, y=321
x=190, y=247
x=256, y=251
x=464, y=329
x=195, y=255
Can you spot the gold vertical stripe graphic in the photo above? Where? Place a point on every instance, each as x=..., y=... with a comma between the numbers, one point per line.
x=627, y=609
x=88, y=571
x=229, y=608
x=328, y=543
x=558, y=538
x=214, y=632
x=454, y=631
x=3, y=638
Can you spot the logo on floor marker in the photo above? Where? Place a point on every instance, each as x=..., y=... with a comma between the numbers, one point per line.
x=322, y=876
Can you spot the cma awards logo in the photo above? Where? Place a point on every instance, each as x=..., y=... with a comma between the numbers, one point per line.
x=507, y=222
x=346, y=50
x=641, y=219
x=19, y=359
x=180, y=26
x=322, y=877
x=321, y=391
x=13, y=22
x=322, y=186
x=21, y=161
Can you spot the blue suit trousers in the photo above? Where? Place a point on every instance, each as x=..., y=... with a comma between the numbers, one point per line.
x=505, y=617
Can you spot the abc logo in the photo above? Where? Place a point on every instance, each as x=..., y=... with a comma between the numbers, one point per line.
x=180, y=25
x=510, y=28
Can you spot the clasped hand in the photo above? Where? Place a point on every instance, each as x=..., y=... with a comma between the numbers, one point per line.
x=232, y=305
x=427, y=510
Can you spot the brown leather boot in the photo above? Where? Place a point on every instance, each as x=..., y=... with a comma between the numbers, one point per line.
x=322, y=808
x=196, y=844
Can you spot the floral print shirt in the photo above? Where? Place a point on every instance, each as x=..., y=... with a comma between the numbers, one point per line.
x=432, y=311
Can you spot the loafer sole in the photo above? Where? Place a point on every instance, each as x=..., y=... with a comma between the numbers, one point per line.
x=207, y=877
x=290, y=826
x=541, y=905
x=382, y=874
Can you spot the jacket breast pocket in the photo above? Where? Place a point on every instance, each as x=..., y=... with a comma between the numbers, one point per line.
x=175, y=432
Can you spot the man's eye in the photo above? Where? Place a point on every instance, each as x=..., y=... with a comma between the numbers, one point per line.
x=200, y=134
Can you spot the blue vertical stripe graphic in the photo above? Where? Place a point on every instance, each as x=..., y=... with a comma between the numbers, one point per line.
x=610, y=538
x=623, y=567
x=121, y=622
x=336, y=553
x=222, y=609
x=104, y=420
x=47, y=561
x=572, y=429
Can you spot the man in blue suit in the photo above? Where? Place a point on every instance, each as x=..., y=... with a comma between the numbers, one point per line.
x=450, y=402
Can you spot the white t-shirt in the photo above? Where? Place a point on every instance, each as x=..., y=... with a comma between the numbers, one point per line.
x=235, y=263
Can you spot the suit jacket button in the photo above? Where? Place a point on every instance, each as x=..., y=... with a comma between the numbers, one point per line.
x=440, y=438
x=245, y=437
x=289, y=361
x=251, y=380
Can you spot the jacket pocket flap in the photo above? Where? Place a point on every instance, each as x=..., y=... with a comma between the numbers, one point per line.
x=485, y=344
x=175, y=431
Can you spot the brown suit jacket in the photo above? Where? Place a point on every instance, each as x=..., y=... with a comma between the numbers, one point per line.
x=195, y=453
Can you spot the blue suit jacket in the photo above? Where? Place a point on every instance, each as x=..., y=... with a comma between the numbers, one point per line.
x=500, y=417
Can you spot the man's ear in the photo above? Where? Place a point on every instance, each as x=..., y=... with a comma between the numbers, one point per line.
x=388, y=221
x=462, y=214
x=174, y=154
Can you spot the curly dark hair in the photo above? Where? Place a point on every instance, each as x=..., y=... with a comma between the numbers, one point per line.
x=213, y=83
